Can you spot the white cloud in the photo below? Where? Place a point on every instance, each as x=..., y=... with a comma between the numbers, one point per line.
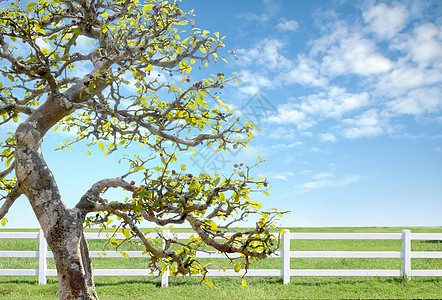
x=406, y=77
x=356, y=55
x=386, y=21
x=251, y=153
x=323, y=175
x=327, y=137
x=334, y=103
x=255, y=79
x=329, y=182
x=306, y=111
x=266, y=53
x=364, y=125
x=305, y=72
x=426, y=44
x=249, y=90
x=253, y=17
x=281, y=133
x=288, y=114
x=350, y=80
x=287, y=25
x=318, y=150
x=280, y=147
x=419, y=64
x=418, y=102
x=280, y=176
x=260, y=65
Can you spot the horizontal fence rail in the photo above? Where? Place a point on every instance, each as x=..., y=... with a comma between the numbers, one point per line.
x=286, y=254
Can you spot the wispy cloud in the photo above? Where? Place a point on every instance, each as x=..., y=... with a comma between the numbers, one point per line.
x=362, y=74
x=287, y=25
x=327, y=137
x=386, y=21
x=327, y=180
x=418, y=102
x=280, y=176
x=306, y=111
x=364, y=125
x=253, y=17
x=353, y=54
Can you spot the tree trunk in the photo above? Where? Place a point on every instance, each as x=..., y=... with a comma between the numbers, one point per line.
x=63, y=227
x=74, y=282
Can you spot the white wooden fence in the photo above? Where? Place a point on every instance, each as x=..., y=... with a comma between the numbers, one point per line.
x=286, y=272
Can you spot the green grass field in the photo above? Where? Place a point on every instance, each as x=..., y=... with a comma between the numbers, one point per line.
x=257, y=287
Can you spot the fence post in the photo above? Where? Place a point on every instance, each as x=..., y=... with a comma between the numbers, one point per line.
x=406, y=254
x=42, y=259
x=165, y=276
x=286, y=256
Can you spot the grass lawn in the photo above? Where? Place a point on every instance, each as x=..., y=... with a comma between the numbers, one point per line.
x=257, y=287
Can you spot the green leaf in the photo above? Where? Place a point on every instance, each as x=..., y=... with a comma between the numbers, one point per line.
x=238, y=267
x=100, y=144
x=172, y=270
x=126, y=233
x=223, y=105
x=213, y=226
x=173, y=88
x=255, y=204
x=8, y=161
x=222, y=198
x=146, y=8
x=199, y=100
x=183, y=167
x=208, y=282
x=4, y=220
x=243, y=283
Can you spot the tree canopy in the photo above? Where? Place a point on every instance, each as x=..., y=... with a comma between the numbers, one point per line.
x=135, y=84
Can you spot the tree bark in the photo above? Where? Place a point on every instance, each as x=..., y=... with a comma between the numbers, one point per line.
x=74, y=282
x=63, y=227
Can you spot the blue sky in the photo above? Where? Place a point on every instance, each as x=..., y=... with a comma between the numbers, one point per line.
x=349, y=96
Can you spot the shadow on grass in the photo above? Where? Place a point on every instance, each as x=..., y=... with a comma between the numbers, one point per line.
x=433, y=242
x=119, y=282
x=195, y=281
x=295, y=281
x=19, y=281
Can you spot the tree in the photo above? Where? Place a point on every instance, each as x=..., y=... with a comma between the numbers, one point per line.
x=129, y=44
